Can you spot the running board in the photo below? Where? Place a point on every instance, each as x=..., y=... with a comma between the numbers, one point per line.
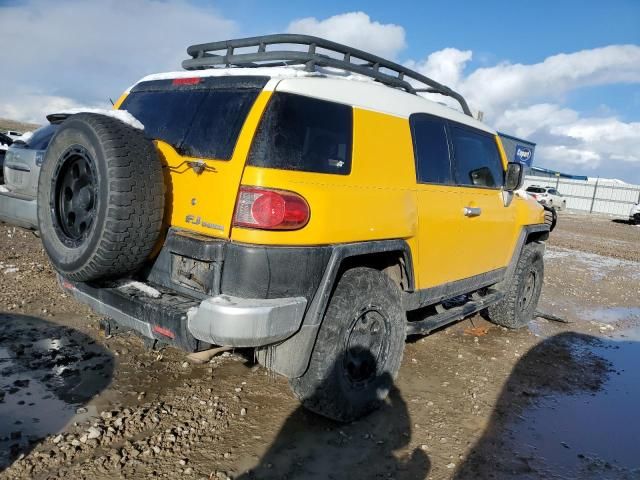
x=449, y=315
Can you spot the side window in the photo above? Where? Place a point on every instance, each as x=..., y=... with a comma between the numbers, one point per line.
x=476, y=158
x=431, y=149
x=302, y=133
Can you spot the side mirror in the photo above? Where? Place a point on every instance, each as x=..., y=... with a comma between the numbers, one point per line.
x=513, y=177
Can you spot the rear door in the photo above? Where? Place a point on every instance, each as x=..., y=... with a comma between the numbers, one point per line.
x=487, y=225
x=442, y=247
x=203, y=128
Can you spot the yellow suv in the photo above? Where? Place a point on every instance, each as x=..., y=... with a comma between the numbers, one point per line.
x=298, y=201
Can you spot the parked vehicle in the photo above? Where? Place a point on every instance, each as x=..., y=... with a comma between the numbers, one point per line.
x=634, y=214
x=13, y=134
x=5, y=143
x=548, y=196
x=296, y=210
x=22, y=164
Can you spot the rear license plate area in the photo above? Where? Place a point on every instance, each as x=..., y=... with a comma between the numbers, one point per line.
x=194, y=274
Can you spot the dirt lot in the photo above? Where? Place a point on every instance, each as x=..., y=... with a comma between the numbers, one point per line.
x=473, y=400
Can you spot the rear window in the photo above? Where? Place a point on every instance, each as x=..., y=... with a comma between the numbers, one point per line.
x=197, y=122
x=535, y=190
x=302, y=133
x=41, y=137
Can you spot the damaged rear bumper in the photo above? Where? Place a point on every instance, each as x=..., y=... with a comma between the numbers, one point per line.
x=193, y=324
x=242, y=322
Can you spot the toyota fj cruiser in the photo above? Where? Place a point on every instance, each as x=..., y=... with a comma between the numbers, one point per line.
x=300, y=202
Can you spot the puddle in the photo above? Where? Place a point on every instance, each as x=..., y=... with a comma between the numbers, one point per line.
x=570, y=409
x=591, y=434
x=47, y=372
x=612, y=314
x=598, y=266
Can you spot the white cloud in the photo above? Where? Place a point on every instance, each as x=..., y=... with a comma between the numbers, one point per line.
x=355, y=29
x=529, y=101
x=81, y=52
x=445, y=66
x=30, y=106
x=506, y=84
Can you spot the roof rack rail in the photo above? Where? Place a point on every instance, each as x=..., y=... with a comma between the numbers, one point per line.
x=208, y=55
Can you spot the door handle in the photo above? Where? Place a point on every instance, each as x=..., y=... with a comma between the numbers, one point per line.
x=472, y=211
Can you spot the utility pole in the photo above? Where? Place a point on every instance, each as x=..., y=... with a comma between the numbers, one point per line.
x=593, y=199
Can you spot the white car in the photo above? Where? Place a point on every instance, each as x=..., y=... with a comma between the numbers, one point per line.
x=634, y=215
x=548, y=196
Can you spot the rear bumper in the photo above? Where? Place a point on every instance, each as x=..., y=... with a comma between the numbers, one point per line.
x=18, y=210
x=192, y=324
x=241, y=322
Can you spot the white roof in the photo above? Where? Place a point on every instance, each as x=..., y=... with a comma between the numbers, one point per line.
x=336, y=86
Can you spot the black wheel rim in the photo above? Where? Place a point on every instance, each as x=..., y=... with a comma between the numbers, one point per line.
x=528, y=290
x=366, y=346
x=74, y=196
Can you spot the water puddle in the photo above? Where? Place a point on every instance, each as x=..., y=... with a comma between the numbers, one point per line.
x=47, y=374
x=598, y=266
x=613, y=314
x=589, y=434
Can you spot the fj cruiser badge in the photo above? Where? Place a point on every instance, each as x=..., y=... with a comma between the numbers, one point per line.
x=196, y=220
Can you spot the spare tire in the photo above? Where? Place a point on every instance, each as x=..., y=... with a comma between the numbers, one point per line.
x=100, y=198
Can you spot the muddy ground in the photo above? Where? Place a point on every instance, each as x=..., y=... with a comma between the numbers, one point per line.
x=472, y=400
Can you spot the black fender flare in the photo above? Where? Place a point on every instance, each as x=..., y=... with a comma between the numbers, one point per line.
x=291, y=357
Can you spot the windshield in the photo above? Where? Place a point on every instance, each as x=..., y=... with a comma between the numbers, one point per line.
x=535, y=190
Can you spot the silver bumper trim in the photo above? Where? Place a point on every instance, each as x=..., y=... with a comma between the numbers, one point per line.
x=241, y=322
x=18, y=211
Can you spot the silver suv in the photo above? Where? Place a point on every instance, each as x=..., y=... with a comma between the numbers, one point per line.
x=22, y=162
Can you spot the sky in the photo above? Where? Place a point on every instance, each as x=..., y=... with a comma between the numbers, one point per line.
x=564, y=74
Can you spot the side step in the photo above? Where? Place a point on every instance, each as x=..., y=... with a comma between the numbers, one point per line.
x=444, y=315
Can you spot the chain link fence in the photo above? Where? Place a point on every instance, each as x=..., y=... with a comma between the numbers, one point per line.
x=592, y=196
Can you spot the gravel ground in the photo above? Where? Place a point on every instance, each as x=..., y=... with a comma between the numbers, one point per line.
x=467, y=403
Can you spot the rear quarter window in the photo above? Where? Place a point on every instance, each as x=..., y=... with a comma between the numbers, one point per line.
x=302, y=133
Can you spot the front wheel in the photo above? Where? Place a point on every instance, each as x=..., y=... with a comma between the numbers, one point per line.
x=518, y=306
x=358, y=350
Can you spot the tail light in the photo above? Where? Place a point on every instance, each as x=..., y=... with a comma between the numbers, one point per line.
x=269, y=209
x=534, y=195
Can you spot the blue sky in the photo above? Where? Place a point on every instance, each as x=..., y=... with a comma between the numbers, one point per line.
x=526, y=31
x=564, y=73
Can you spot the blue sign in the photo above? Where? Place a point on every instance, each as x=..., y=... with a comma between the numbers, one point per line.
x=523, y=155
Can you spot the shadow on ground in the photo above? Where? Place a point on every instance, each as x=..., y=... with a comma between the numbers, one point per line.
x=312, y=447
x=623, y=220
x=569, y=409
x=47, y=373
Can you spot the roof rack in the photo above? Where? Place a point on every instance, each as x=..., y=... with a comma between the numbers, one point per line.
x=208, y=55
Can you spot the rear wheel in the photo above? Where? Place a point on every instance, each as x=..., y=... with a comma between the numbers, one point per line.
x=518, y=306
x=358, y=350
